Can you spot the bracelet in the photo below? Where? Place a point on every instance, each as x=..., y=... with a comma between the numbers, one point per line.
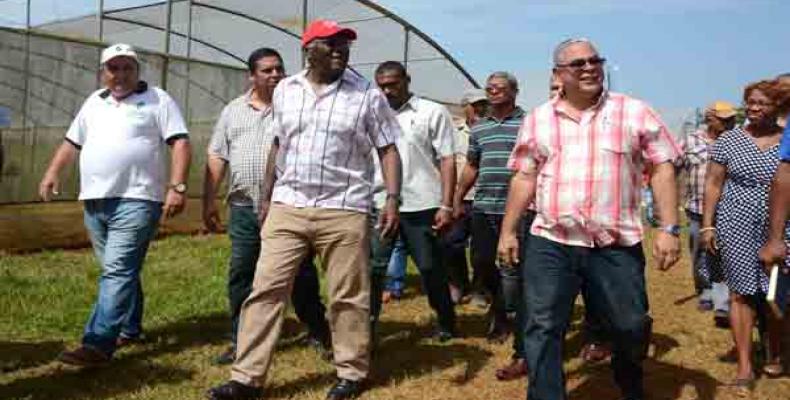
x=710, y=228
x=446, y=208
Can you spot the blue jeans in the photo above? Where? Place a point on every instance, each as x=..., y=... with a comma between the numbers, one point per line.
x=714, y=292
x=120, y=230
x=396, y=269
x=553, y=276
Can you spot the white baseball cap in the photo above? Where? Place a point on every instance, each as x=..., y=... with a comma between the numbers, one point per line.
x=118, y=50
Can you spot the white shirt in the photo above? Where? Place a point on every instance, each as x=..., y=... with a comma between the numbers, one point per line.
x=326, y=141
x=428, y=136
x=122, y=143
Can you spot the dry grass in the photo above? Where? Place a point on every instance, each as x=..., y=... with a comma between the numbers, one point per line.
x=45, y=297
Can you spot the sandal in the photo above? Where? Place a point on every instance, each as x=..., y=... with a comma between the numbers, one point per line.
x=743, y=386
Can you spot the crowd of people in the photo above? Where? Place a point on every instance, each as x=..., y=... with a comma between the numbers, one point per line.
x=361, y=175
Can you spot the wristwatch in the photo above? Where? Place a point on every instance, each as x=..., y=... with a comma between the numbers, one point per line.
x=396, y=197
x=180, y=188
x=673, y=230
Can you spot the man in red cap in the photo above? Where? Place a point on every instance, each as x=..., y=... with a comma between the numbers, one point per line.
x=315, y=199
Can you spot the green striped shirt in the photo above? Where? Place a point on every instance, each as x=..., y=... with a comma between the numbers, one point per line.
x=490, y=144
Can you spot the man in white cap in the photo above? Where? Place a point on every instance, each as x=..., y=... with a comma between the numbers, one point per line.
x=327, y=120
x=120, y=135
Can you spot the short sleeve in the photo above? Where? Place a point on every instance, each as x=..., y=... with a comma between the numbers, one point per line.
x=382, y=125
x=78, y=130
x=525, y=156
x=170, y=120
x=719, y=153
x=474, y=150
x=443, y=139
x=784, y=147
x=658, y=144
x=218, y=145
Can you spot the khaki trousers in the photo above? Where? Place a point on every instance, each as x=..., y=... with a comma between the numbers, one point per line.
x=340, y=238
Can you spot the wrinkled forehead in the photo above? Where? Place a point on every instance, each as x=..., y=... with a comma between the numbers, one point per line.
x=574, y=50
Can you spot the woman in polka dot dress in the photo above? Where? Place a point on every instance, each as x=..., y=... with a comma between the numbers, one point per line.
x=742, y=165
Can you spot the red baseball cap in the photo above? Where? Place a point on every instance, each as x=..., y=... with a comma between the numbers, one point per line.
x=323, y=28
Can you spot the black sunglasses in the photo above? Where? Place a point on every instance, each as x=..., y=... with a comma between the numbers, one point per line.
x=579, y=63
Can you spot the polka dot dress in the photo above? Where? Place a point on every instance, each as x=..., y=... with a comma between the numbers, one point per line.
x=742, y=212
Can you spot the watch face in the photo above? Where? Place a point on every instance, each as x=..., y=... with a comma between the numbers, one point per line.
x=180, y=188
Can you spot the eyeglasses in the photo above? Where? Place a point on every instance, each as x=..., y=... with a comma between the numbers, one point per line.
x=341, y=44
x=579, y=63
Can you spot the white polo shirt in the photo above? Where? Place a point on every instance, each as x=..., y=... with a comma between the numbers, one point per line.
x=123, y=143
x=428, y=136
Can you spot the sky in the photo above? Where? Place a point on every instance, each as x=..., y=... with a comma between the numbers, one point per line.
x=674, y=54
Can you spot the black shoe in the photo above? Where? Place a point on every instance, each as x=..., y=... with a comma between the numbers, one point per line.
x=226, y=358
x=233, y=390
x=443, y=335
x=345, y=389
x=721, y=319
x=85, y=356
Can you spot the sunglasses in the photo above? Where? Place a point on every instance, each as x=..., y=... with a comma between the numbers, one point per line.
x=579, y=63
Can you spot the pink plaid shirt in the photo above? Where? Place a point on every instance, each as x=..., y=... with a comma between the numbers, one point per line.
x=590, y=171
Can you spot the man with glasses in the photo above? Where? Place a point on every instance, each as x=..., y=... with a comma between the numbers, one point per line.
x=326, y=121
x=490, y=143
x=582, y=154
x=719, y=118
x=242, y=139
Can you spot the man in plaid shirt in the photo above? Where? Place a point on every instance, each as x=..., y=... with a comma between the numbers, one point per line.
x=719, y=117
x=582, y=154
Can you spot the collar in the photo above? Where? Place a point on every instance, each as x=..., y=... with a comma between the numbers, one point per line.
x=555, y=104
x=517, y=113
x=142, y=87
x=412, y=103
x=248, y=102
x=346, y=76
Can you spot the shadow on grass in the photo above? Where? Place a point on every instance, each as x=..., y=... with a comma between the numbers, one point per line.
x=129, y=371
x=20, y=355
x=662, y=381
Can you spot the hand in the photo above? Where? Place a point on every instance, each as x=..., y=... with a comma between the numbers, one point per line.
x=389, y=219
x=708, y=241
x=263, y=212
x=442, y=220
x=174, y=203
x=666, y=250
x=459, y=211
x=48, y=186
x=773, y=253
x=508, y=250
x=211, y=216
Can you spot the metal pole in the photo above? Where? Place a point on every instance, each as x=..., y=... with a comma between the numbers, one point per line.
x=166, y=64
x=189, y=57
x=100, y=20
x=304, y=28
x=406, y=47
x=27, y=65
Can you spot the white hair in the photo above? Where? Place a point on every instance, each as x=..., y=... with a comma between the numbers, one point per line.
x=511, y=80
x=560, y=49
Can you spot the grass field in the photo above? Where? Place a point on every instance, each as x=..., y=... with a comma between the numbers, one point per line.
x=45, y=298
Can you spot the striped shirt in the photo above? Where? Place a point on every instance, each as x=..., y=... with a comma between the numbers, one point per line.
x=589, y=170
x=490, y=144
x=696, y=150
x=326, y=141
x=242, y=137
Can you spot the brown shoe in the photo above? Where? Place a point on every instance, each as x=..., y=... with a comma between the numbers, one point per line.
x=84, y=357
x=595, y=353
x=516, y=369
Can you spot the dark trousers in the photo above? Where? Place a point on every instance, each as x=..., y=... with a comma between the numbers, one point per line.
x=245, y=242
x=521, y=308
x=615, y=282
x=454, y=244
x=503, y=284
x=422, y=243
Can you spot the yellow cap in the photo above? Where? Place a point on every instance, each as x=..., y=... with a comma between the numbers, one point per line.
x=721, y=109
